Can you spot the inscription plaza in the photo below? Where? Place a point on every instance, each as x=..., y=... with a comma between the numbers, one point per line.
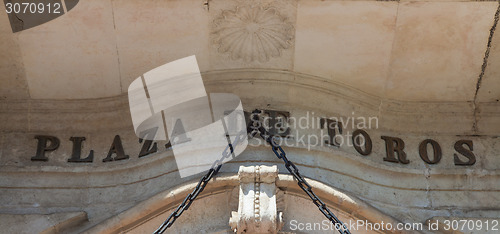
x=429, y=150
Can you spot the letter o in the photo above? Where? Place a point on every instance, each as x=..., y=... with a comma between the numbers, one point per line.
x=357, y=143
x=422, y=149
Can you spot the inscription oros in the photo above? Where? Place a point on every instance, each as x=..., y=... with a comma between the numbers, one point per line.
x=429, y=150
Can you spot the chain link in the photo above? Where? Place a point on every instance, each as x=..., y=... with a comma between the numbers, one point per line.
x=188, y=200
x=253, y=129
x=290, y=166
x=214, y=169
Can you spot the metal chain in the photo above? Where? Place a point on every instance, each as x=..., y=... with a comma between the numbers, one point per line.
x=188, y=200
x=254, y=128
x=290, y=166
x=214, y=169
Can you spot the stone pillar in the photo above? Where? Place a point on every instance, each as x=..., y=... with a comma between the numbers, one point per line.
x=257, y=210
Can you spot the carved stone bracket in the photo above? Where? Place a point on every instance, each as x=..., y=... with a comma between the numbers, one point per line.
x=257, y=209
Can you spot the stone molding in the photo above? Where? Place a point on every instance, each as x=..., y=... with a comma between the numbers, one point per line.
x=164, y=202
x=417, y=187
x=260, y=88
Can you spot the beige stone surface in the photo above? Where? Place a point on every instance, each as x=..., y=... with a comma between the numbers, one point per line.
x=487, y=115
x=489, y=90
x=73, y=56
x=39, y=223
x=152, y=33
x=349, y=42
x=414, y=65
x=12, y=78
x=412, y=51
x=438, y=50
x=277, y=90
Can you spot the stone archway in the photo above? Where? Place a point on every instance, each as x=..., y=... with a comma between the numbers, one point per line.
x=212, y=210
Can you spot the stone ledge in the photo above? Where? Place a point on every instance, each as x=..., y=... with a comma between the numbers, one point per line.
x=289, y=90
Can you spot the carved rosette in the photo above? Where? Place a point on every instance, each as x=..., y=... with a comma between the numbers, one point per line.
x=252, y=33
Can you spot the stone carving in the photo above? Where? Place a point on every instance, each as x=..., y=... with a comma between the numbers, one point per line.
x=252, y=33
x=257, y=207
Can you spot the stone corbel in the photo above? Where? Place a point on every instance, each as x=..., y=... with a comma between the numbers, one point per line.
x=257, y=209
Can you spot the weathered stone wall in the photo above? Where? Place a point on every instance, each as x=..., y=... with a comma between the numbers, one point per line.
x=412, y=192
x=424, y=69
x=399, y=50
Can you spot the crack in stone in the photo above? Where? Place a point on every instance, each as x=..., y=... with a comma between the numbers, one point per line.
x=483, y=67
x=116, y=47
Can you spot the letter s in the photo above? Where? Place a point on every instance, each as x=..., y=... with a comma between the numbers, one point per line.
x=459, y=147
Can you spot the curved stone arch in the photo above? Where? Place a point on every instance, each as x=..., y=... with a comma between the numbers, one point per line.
x=147, y=215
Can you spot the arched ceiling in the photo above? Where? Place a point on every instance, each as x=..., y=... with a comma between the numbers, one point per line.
x=396, y=50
